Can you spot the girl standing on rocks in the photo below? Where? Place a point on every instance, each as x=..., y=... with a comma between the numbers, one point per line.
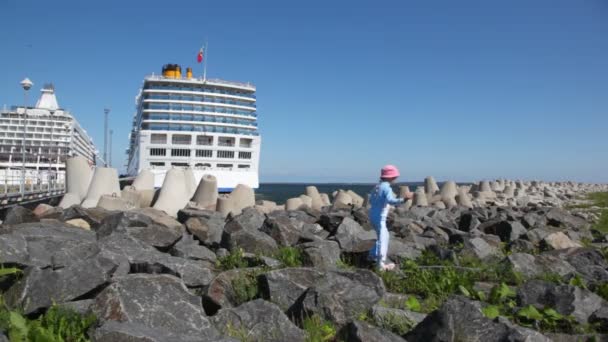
x=380, y=199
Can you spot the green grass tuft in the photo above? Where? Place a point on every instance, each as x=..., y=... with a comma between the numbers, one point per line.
x=289, y=256
x=318, y=329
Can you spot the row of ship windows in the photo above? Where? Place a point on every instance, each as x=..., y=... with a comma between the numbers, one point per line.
x=197, y=128
x=211, y=99
x=199, y=108
x=19, y=130
x=182, y=152
x=201, y=165
x=202, y=118
x=206, y=89
x=55, y=142
x=207, y=140
x=36, y=123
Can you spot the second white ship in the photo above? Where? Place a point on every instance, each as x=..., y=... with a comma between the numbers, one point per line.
x=209, y=125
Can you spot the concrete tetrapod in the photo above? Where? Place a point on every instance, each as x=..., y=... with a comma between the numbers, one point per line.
x=173, y=194
x=190, y=182
x=131, y=196
x=307, y=200
x=403, y=191
x=357, y=200
x=111, y=202
x=420, y=198
x=240, y=198
x=448, y=190
x=294, y=203
x=430, y=186
x=313, y=193
x=206, y=193
x=325, y=199
x=78, y=176
x=462, y=199
x=342, y=200
x=144, y=180
x=104, y=182
x=68, y=200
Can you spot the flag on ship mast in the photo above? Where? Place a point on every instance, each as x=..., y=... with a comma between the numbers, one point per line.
x=199, y=58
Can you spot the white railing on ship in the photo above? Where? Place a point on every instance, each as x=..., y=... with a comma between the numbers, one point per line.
x=211, y=80
x=35, y=181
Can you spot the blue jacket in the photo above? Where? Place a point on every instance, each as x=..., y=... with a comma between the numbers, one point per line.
x=381, y=196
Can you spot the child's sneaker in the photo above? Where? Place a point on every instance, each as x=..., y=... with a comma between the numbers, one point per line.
x=386, y=267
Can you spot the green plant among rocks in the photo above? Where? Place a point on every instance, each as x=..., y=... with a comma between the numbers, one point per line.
x=246, y=287
x=318, y=330
x=233, y=260
x=289, y=256
x=56, y=325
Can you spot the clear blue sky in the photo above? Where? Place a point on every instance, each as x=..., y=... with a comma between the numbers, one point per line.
x=460, y=90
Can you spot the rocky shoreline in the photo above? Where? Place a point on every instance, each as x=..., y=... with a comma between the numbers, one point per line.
x=501, y=261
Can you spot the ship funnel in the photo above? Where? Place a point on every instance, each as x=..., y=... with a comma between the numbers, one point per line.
x=189, y=73
x=172, y=71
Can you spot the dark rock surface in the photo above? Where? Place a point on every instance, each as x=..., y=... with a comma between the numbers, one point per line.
x=259, y=320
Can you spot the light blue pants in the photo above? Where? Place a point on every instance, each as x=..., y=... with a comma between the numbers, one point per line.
x=380, y=249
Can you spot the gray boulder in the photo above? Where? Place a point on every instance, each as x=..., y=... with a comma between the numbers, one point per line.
x=565, y=299
x=207, y=229
x=154, y=301
x=249, y=219
x=382, y=314
x=468, y=222
x=353, y=238
x=18, y=215
x=113, y=331
x=151, y=226
x=479, y=248
x=282, y=230
x=283, y=287
x=258, y=320
x=359, y=290
x=358, y=331
x=506, y=230
x=252, y=241
x=40, y=288
x=399, y=250
x=188, y=248
x=221, y=291
x=459, y=319
x=93, y=216
x=560, y=218
x=321, y=254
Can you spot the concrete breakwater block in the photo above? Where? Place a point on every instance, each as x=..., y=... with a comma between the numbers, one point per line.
x=110, y=202
x=78, y=176
x=342, y=200
x=173, y=194
x=307, y=200
x=420, y=199
x=206, y=193
x=240, y=198
x=325, y=199
x=191, y=185
x=357, y=200
x=78, y=179
x=317, y=201
x=462, y=199
x=104, y=182
x=144, y=180
x=294, y=203
x=430, y=186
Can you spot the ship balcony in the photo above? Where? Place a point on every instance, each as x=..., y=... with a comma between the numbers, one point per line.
x=197, y=118
x=163, y=126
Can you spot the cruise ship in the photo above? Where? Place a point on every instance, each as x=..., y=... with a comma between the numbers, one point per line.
x=208, y=125
x=52, y=135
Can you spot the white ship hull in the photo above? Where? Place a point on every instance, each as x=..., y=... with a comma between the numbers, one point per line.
x=226, y=180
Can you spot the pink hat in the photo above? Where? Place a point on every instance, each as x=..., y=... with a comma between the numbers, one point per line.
x=389, y=171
